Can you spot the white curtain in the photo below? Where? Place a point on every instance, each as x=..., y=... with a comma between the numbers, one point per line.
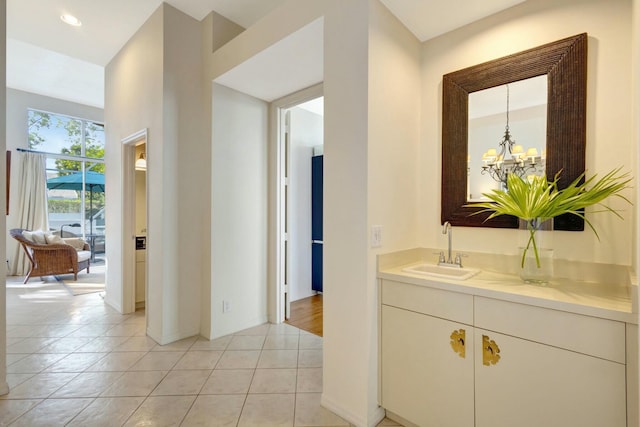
x=31, y=209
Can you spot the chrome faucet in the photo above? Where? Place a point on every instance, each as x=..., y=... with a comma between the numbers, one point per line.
x=449, y=262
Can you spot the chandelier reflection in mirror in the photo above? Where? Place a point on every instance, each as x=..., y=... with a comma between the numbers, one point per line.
x=511, y=158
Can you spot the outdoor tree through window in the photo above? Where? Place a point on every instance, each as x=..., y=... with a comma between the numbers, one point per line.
x=75, y=172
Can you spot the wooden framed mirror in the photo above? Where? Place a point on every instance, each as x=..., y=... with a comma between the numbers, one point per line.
x=564, y=62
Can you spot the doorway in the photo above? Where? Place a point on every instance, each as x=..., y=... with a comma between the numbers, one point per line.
x=141, y=225
x=300, y=143
x=134, y=226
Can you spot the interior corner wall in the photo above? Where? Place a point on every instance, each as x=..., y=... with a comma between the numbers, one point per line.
x=394, y=141
x=609, y=124
x=635, y=78
x=238, y=211
x=221, y=29
x=347, y=310
x=394, y=129
x=216, y=32
x=185, y=169
x=234, y=50
x=4, y=388
x=290, y=16
x=18, y=103
x=133, y=101
x=154, y=83
x=306, y=132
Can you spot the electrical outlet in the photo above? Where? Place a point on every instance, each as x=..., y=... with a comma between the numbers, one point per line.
x=376, y=236
x=226, y=306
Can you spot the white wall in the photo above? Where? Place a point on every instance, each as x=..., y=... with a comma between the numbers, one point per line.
x=186, y=176
x=241, y=46
x=216, y=31
x=238, y=211
x=4, y=388
x=133, y=101
x=372, y=117
x=635, y=80
x=346, y=317
x=154, y=82
x=355, y=195
x=609, y=138
x=635, y=108
x=394, y=137
x=18, y=103
x=306, y=132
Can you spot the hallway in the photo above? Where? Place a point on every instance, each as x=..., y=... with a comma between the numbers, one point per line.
x=75, y=361
x=306, y=314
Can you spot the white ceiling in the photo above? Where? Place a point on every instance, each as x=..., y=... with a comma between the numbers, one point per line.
x=108, y=24
x=430, y=18
x=49, y=57
x=294, y=63
x=38, y=70
x=315, y=106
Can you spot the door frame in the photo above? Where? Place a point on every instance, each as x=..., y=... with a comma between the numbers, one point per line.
x=129, y=218
x=277, y=159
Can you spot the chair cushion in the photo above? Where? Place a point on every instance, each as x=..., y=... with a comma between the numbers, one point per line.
x=83, y=255
x=53, y=239
x=39, y=237
x=76, y=242
x=36, y=236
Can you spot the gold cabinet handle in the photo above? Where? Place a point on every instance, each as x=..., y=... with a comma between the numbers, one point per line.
x=458, y=341
x=490, y=351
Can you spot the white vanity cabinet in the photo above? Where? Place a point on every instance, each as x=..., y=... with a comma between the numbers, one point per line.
x=538, y=385
x=423, y=379
x=555, y=368
x=427, y=360
x=523, y=365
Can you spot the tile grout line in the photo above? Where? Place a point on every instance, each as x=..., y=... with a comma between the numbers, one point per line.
x=276, y=336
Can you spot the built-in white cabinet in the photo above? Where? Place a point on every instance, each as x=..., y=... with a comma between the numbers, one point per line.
x=539, y=385
x=455, y=359
x=424, y=380
x=141, y=273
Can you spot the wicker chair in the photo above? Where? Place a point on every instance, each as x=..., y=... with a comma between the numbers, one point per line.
x=52, y=259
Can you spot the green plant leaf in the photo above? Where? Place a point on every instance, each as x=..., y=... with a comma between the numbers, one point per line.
x=539, y=198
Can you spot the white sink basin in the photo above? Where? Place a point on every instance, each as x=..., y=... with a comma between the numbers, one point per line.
x=442, y=271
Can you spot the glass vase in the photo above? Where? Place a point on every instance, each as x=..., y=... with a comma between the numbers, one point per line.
x=536, y=250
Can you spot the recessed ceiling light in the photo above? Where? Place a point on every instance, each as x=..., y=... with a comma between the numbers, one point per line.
x=71, y=20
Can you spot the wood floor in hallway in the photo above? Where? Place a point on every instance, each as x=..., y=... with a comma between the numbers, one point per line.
x=306, y=314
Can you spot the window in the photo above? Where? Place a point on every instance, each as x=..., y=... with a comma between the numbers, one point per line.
x=75, y=173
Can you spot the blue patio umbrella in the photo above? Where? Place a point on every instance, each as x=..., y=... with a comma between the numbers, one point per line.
x=94, y=181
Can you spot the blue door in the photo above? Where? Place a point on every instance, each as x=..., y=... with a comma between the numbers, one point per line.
x=316, y=222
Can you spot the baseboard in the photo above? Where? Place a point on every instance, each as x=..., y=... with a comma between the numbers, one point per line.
x=113, y=304
x=169, y=338
x=4, y=388
x=374, y=418
x=257, y=321
x=378, y=415
x=397, y=418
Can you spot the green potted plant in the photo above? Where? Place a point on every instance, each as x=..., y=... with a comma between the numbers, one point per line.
x=536, y=200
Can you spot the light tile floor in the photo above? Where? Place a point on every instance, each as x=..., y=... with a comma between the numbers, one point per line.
x=75, y=361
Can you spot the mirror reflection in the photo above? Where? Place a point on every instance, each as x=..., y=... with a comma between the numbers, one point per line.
x=507, y=134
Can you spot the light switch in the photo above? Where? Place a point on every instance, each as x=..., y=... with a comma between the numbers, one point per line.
x=376, y=236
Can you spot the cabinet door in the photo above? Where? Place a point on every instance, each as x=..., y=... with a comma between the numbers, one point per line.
x=140, y=281
x=535, y=385
x=424, y=380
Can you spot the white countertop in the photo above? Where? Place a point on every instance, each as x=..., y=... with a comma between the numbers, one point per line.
x=609, y=295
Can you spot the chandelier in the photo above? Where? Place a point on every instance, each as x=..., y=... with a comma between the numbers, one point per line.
x=511, y=158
